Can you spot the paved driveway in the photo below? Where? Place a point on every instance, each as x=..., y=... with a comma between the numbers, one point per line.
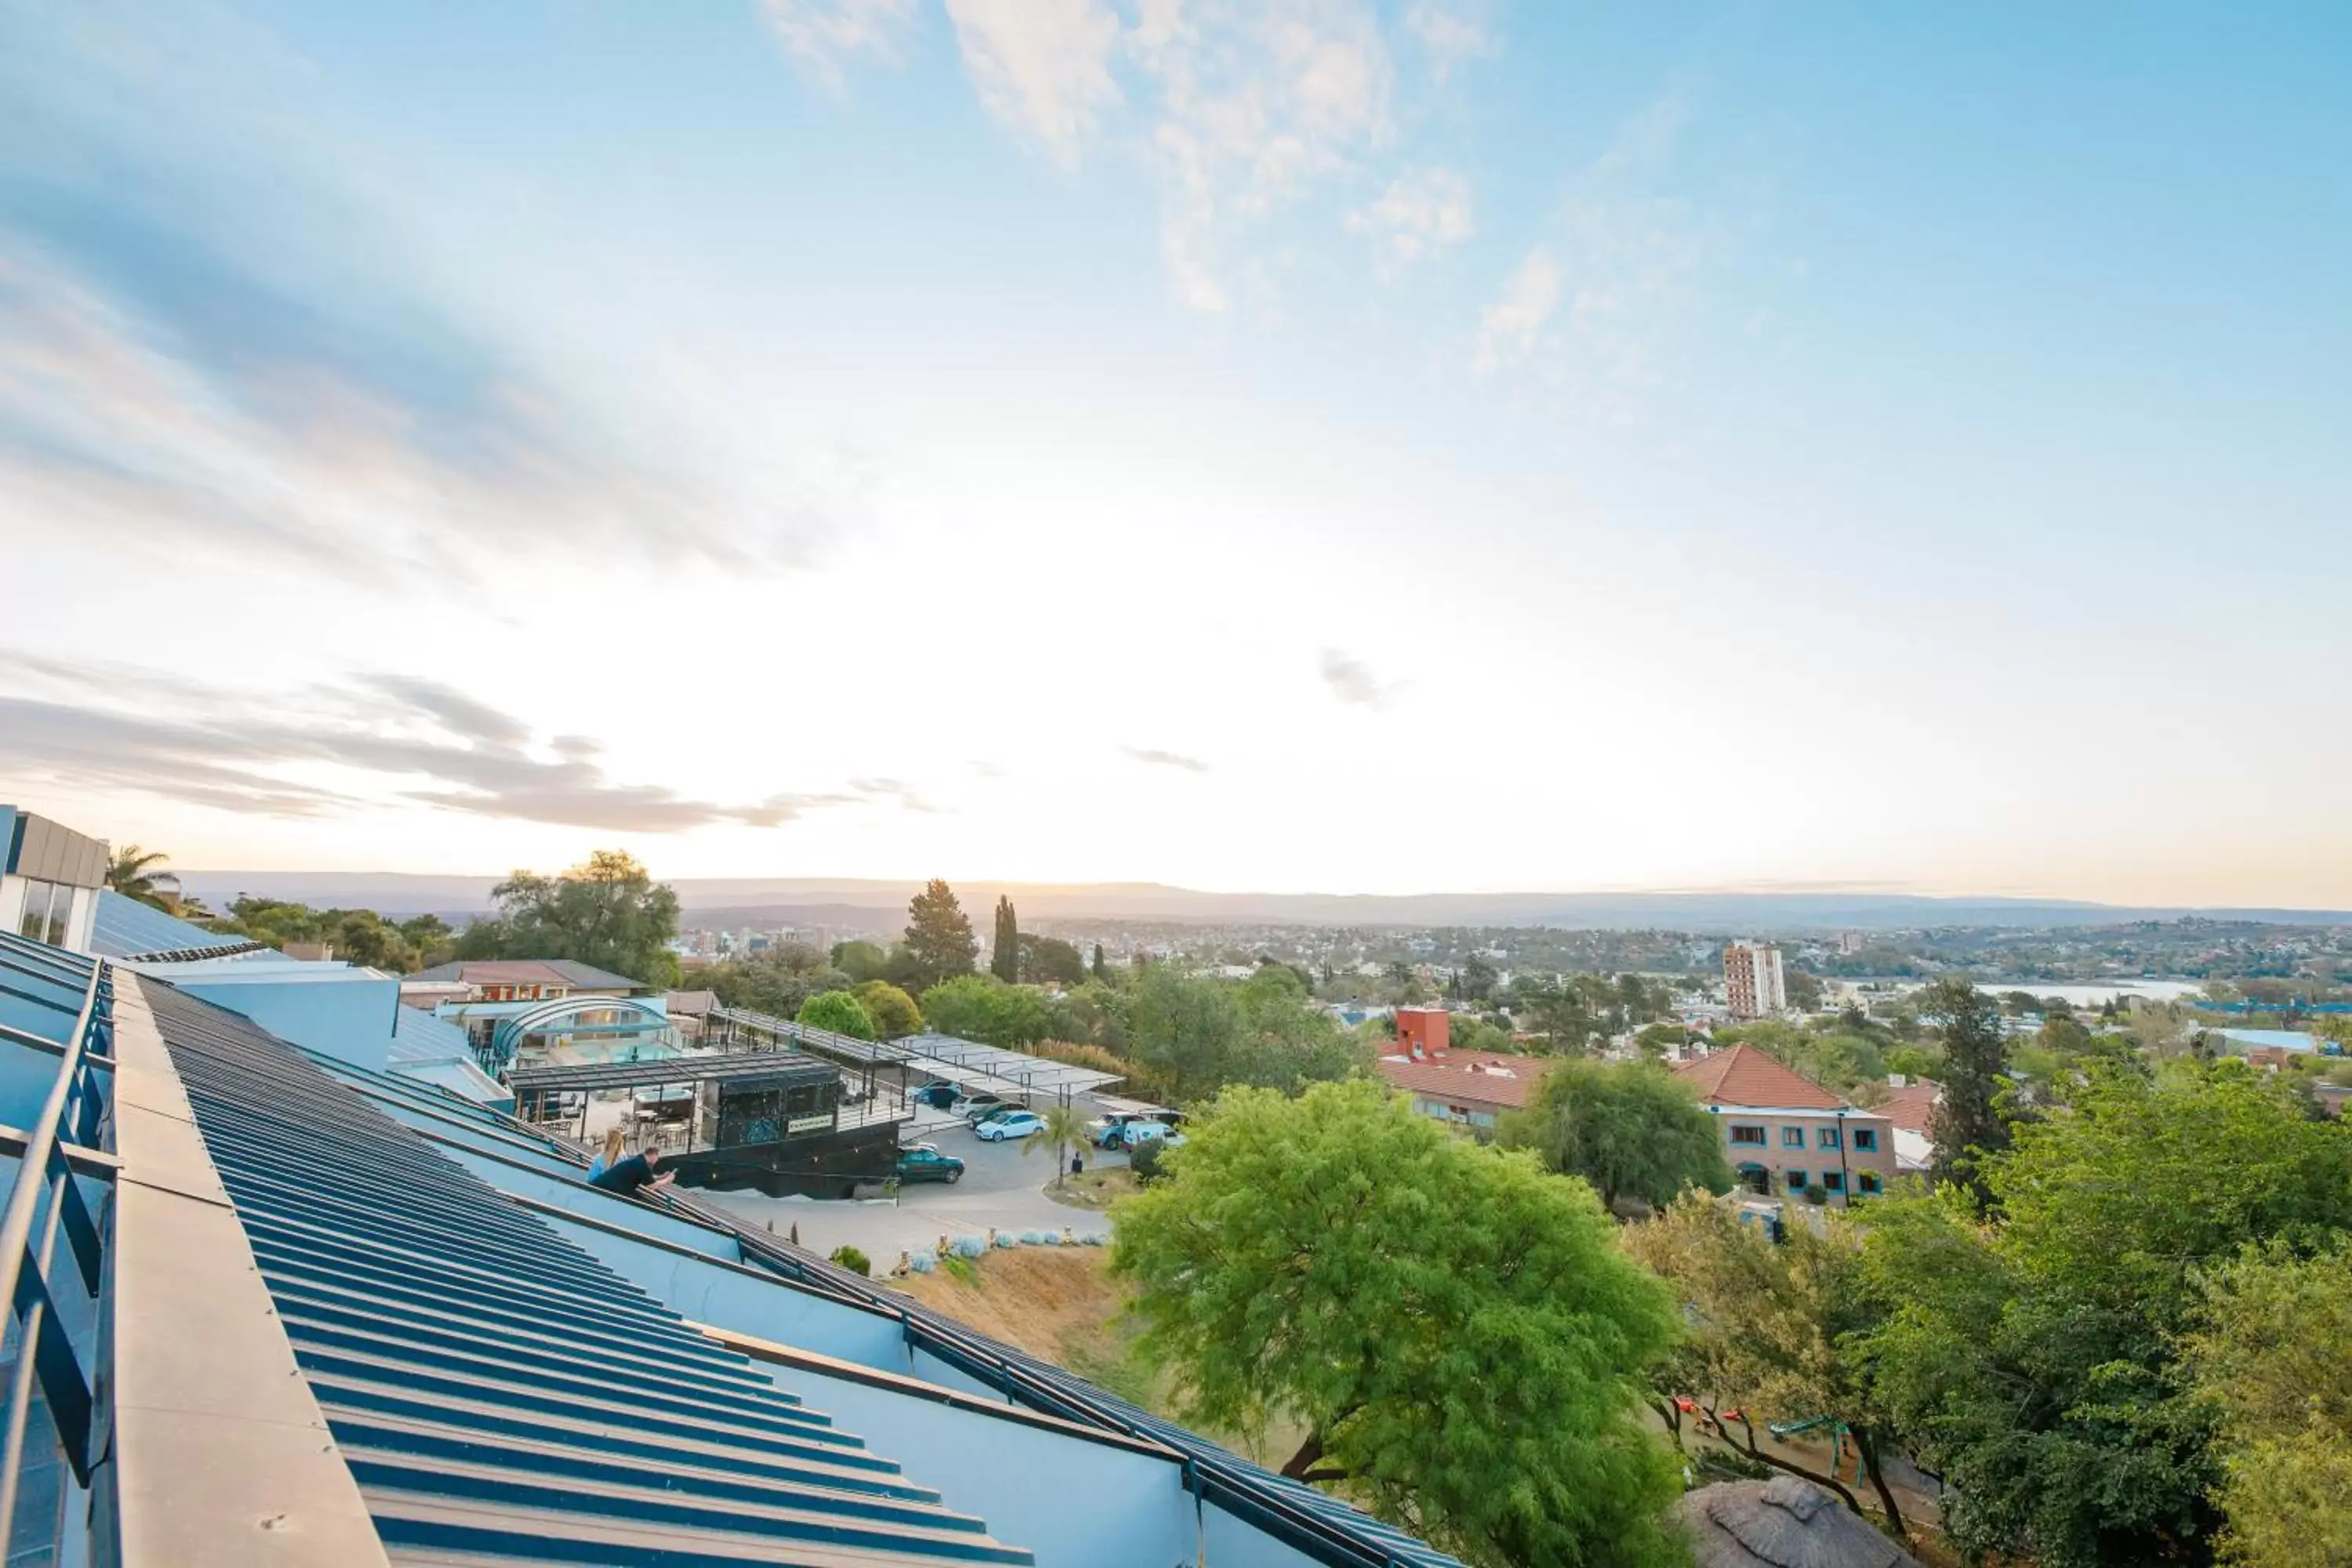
x=1002, y=1187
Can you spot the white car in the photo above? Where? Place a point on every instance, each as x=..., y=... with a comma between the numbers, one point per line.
x=1020, y=1124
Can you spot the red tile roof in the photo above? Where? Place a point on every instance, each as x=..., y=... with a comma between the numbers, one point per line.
x=1465, y=1078
x=1910, y=1105
x=1745, y=1075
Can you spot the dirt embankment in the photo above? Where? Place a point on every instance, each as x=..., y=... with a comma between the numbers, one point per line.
x=1058, y=1304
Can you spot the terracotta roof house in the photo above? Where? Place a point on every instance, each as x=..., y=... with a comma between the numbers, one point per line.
x=1465, y=1088
x=1911, y=1107
x=1786, y=1135
x=1785, y=1522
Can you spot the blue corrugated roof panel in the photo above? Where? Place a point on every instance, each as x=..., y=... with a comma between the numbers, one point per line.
x=125, y=928
x=1328, y=1529
x=499, y=1392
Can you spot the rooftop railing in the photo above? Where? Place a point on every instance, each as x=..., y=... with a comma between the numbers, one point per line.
x=56, y=1005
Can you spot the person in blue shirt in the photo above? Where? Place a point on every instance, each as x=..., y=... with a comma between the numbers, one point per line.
x=614, y=1144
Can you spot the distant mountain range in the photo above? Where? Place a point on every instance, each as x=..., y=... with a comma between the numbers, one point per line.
x=877, y=904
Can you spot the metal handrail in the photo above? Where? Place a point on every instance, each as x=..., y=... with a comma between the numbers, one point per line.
x=42, y=1346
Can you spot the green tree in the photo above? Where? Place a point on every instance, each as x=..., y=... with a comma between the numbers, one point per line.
x=1968, y=1124
x=2033, y=1359
x=839, y=1012
x=608, y=911
x=1050, y=961
x=432, y=937
x=938, y=944
x=982, y=1007
x=2268, y=1359
x=1101, y=970
x=894, y=1012
x=1633, y=1130
x=778, y=982
x=861, y=960
x=1773, y=1329
x=1004, y=954
x=1454, y=1331
x=132, y=872
x=1562, y=1015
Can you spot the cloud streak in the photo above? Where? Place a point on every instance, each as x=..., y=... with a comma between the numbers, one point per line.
x=381, y=739
x=1352, y=681
x=207, y=344
x=1158, y=759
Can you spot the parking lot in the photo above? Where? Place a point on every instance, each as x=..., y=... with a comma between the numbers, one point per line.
x=1002, y=1187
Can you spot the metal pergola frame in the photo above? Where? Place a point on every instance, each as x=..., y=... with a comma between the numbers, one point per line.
x=965, y=1063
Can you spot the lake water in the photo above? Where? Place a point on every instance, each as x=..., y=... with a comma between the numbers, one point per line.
x=2085, y=996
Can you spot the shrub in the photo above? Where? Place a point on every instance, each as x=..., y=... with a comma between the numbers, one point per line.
x=849, y=1257
x=1144, y=1161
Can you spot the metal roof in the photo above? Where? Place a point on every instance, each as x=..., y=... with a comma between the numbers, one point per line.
x=672, y=1069
x=1326, y=1529
x=125, y=928
x=961, y=1061
x=528, y=972
x=497, y=1393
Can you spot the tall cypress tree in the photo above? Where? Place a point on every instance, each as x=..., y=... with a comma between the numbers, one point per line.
x=1005, y=962
x=1102, y=970
x=1966, y=1123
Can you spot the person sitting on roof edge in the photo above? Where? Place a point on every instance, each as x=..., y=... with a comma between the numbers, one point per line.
x=628, y=1177
x=614, y=1142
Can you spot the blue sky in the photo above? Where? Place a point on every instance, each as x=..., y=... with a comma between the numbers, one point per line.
x=1312, y=444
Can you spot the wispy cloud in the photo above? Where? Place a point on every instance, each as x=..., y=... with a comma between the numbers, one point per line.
x=1597, y=306
x=1257, y=102
x=1242, y=108
x=1351, y=680
x=826, y=37
x=1042, y=67
x=1158, y=759
x=1453, y=32
x=208, y=340
x=1420, y=212
x=1508, y=329
x=326, y=751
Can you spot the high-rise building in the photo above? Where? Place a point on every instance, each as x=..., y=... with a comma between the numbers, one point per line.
x=1752, y=982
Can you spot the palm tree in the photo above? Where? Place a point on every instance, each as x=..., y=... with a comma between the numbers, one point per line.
x=131, y=873
x=1065, y=1125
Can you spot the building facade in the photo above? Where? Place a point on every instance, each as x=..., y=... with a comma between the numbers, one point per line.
x=50, y=878
x=1752, y=982
x=1784, y=1134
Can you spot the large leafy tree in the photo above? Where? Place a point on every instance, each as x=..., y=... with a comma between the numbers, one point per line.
x=2033, y=1359
x=1050, y=961
x=1772, y=1327
x=838, y=1012
x=861, y=960
x=1968, y=1124
x=1198, y=1035
x=1455, y=1331
x=1005, y=953
x=938, y=944
x=778, y=982
x=1633, y=1130
x=608, y=911
x=2270, y=1361
x=894, y=1012
x=982, y=1007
